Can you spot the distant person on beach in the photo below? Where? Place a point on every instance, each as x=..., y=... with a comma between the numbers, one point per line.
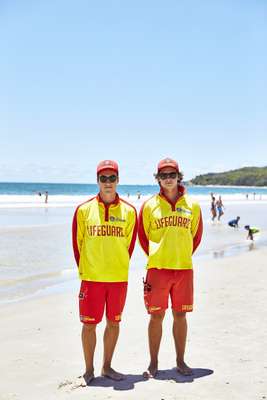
x=138, y=195
x=170, y=230
x=213, y=207
x=251, y=231
x=46, y=196
x=234, y=222
x=219, y=206
x=104, y=233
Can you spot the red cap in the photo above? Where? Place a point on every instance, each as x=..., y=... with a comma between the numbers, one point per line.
x=107, y=164
x=168, y=162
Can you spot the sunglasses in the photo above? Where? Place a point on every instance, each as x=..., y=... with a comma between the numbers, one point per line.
x=167, y=175
x=104, y=178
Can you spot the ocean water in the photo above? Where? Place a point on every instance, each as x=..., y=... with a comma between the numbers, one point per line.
x=75, y=189
x=15, y=195
x=36, y=249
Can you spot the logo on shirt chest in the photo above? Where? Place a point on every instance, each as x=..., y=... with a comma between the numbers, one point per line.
x=116, y=219
x=184, y=210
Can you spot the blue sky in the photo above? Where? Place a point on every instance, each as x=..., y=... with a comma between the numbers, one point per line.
x=133, y=81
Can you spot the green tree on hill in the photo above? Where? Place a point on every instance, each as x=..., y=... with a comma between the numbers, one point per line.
x=247, y=176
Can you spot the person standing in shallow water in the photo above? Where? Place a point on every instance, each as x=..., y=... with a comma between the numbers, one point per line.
x=213, y=207
x=170, y=230
x=104, y=232
x=219, y=206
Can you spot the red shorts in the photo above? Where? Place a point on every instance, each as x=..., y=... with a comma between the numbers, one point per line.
x=94, y=296
x=160, y=283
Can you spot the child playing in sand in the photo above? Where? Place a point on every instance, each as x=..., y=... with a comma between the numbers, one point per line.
x=234, y=222
x=251, y=231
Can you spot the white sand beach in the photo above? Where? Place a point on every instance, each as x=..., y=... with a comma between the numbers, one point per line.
x=40, y=347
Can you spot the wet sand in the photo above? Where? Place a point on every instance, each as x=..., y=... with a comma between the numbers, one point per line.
x=36, y=251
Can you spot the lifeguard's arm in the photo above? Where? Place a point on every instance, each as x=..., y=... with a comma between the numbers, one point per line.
x=143, y=228
x=131, y=231
x=196, y=227
x=78, y=229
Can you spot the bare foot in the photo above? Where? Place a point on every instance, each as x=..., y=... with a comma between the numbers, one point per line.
x=88, y=377
x=183, y=369
x=112, y=374
x=150, y=372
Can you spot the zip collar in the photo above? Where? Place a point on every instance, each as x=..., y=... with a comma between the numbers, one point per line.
x=106, y=206
x=114, y=202
x=181, y=192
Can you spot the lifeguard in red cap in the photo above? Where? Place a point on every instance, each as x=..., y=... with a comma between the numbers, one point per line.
x=170, y=230
x=104, y=234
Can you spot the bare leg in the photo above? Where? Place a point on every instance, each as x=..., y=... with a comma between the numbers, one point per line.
x=179, y=334
x=154, y=339
x=89, y=343
x=111, y=335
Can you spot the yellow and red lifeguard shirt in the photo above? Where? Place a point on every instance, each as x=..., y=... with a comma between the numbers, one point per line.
x=103, y=239
x=169, y=233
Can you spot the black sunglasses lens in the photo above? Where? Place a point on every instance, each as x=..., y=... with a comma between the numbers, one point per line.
x=104, y=178
x=170, y=175
x=112, y=178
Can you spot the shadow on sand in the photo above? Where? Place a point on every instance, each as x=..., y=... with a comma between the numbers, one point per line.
x=164, y=375
x=126, y=384
x=173, y=375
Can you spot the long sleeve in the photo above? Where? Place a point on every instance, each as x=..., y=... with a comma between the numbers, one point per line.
x=78, y=228
x=197, y=227
x=131, y=232
x=143, y=229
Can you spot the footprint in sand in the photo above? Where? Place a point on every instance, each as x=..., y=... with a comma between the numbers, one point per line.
x=72, y=385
